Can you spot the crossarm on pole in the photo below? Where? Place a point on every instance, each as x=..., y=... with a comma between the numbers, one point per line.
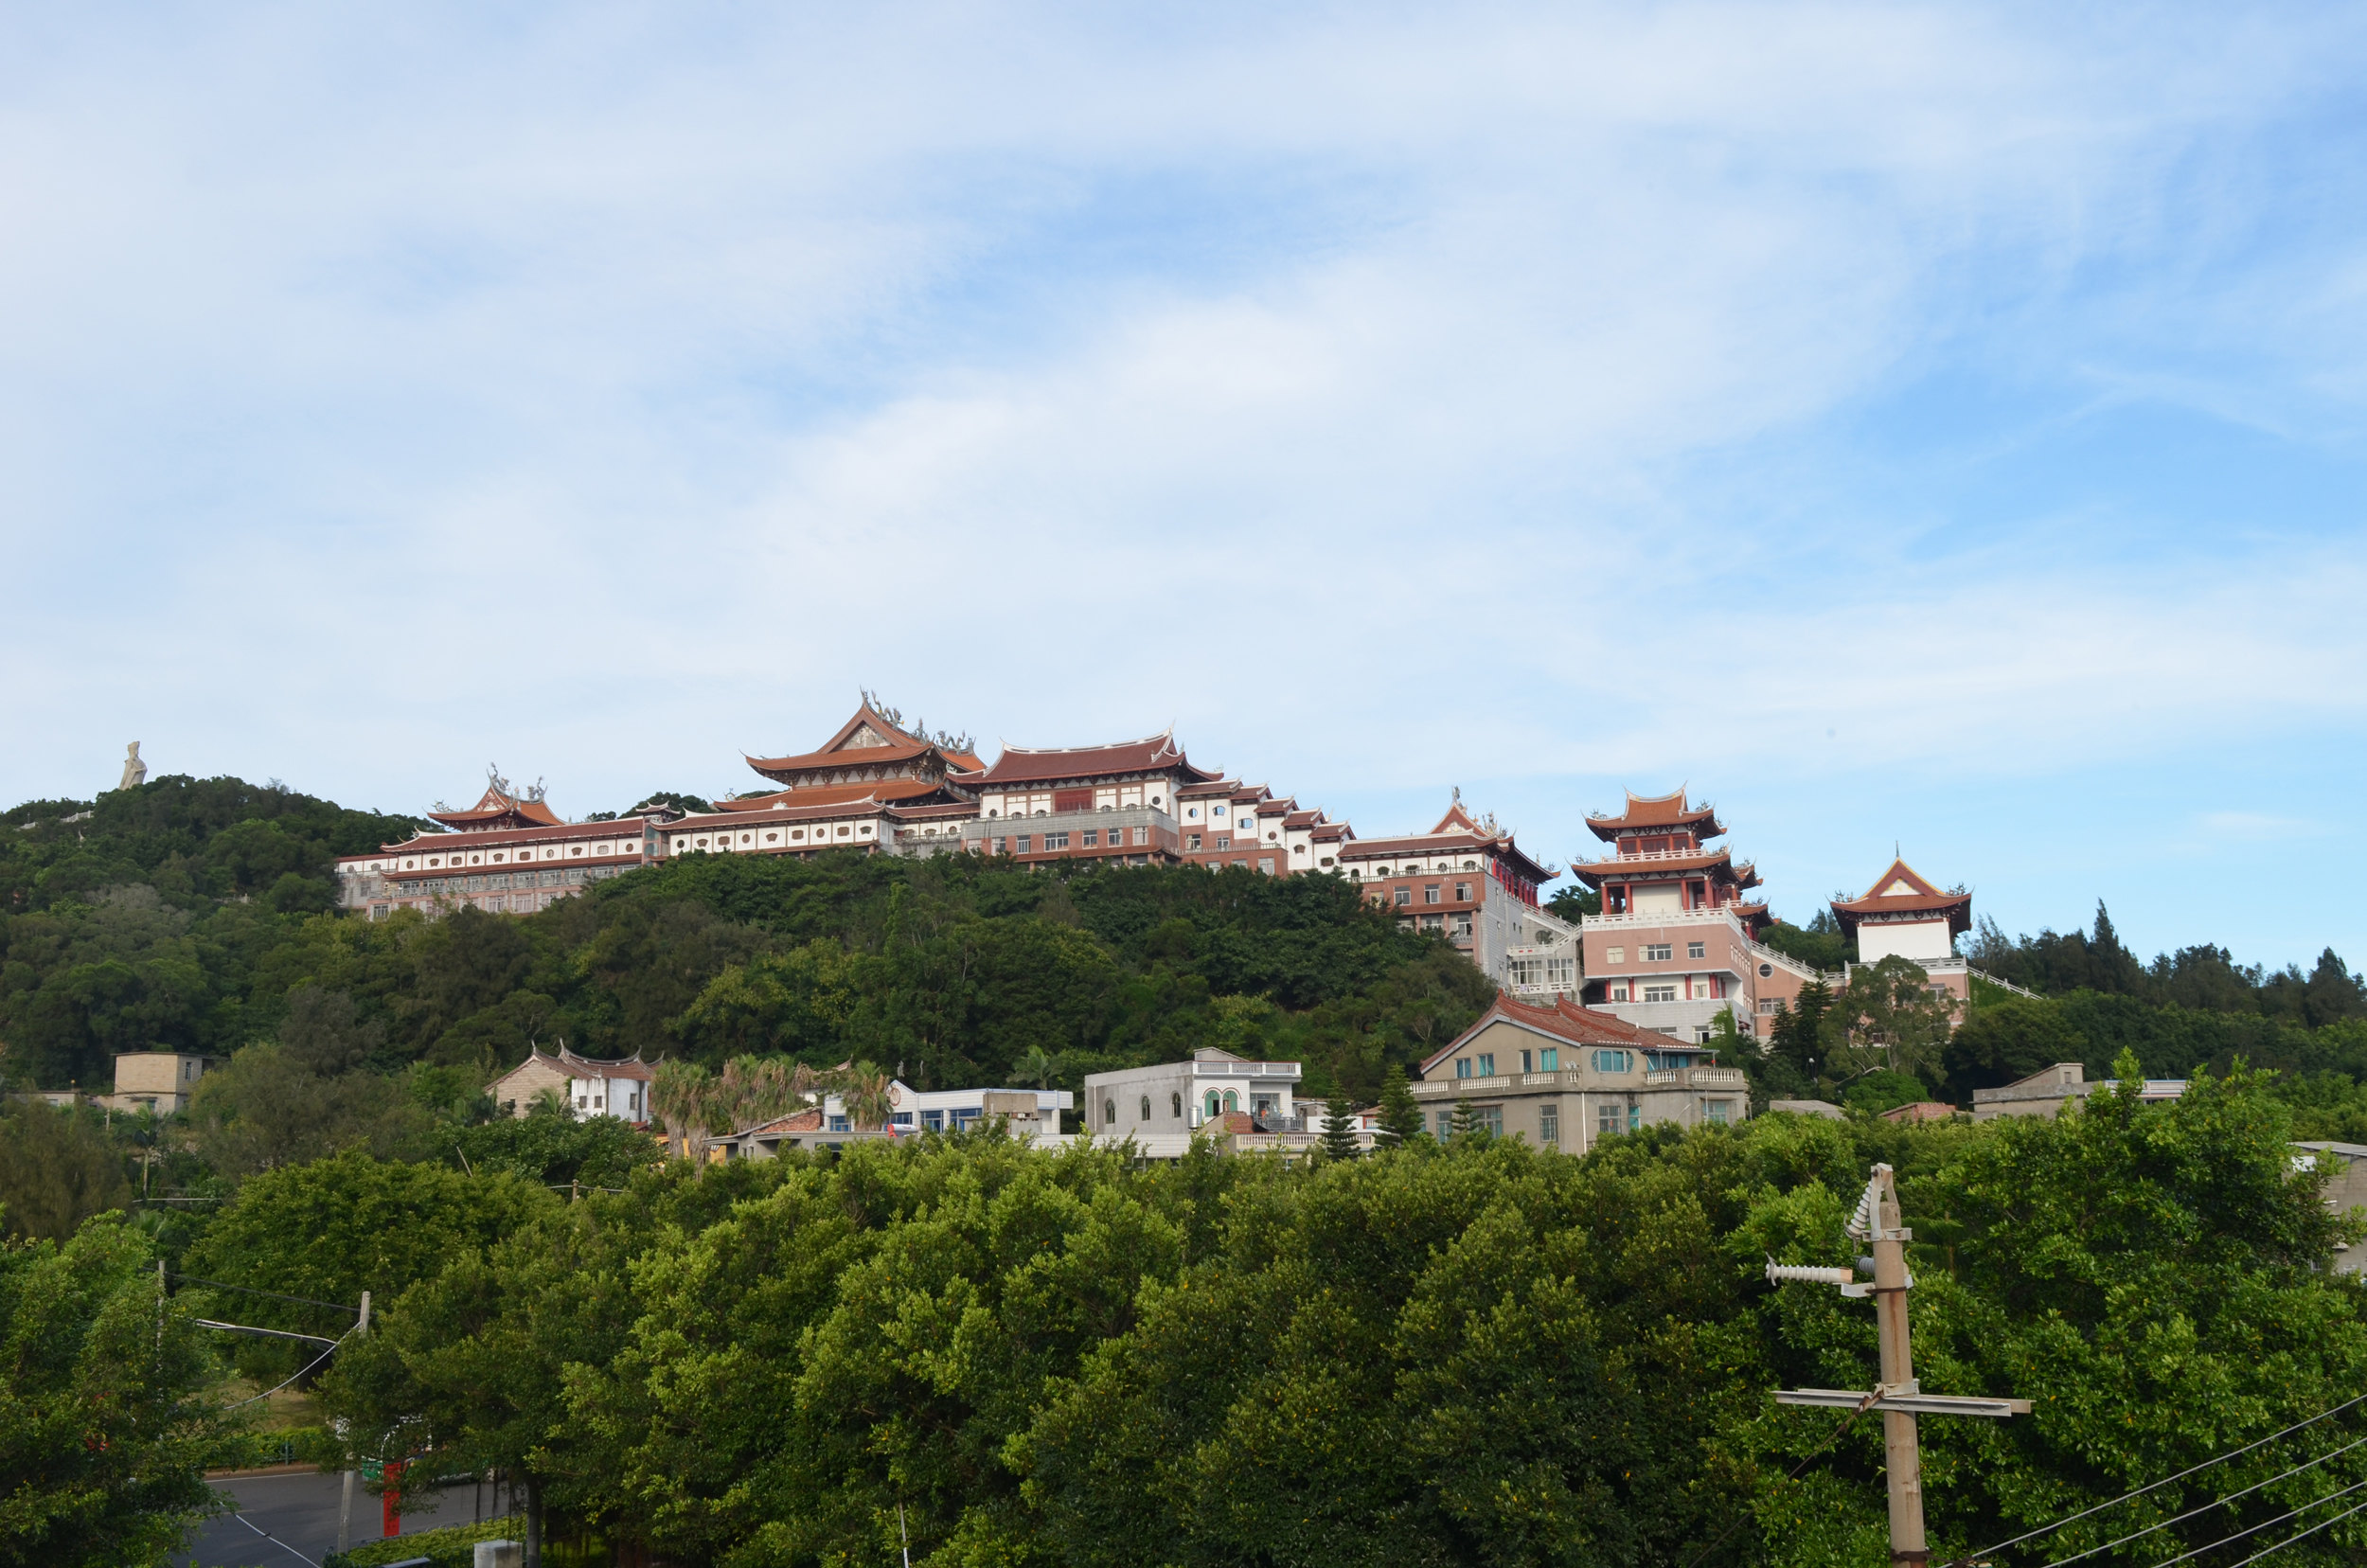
x=1909, y=1404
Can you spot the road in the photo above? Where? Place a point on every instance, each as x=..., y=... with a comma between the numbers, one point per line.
x=299, y=1508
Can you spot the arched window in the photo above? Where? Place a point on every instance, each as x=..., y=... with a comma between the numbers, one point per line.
x=1146, y=1108
x=1212, y=1102
x=1109, y=1113
x=1232, y=1100
x=1175, y=1105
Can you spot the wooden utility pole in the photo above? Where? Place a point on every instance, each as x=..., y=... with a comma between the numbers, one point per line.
x=1896, y=1395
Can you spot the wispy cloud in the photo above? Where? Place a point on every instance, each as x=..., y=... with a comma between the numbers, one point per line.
x=1525, y=392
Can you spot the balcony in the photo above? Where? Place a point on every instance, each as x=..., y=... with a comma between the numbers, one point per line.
x=1647, y=856
x=1696, y=1077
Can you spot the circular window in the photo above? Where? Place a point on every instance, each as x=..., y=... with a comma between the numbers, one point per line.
x=991, y=811
x=1766, y=970
x=747, y=838
x=1154, y=800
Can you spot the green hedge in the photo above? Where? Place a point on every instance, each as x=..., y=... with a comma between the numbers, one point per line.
x=454, y=1546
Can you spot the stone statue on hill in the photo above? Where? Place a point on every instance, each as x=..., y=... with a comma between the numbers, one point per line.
x=135, y=770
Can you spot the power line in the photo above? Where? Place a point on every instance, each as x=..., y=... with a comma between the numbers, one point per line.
x=2299, y=1534
x=306, y=1301
x=2251, y=1529
x=307, y=1367
x=1971, y=1558
x=2192, y=1513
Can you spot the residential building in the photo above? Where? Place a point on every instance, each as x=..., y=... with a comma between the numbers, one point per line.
x=1467, y=881
x=594, y=1087
x=1677, y=942
x=1030, y=1116
x=1564, y=1076
x=2345, y=1168
x=508, y=853
x=161, y=1082
x=2045, y=1094
x=1903, y=915
x=1175, y=1097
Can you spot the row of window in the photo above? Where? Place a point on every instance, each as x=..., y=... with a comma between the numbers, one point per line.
x=1610, y=1117
x=1435, y=925
x=796, y=835
x=497, y=856
x=1547, y=1061
x=1412, y=868
x=1656, y=952
x=1091, y=838
x=1433, y=894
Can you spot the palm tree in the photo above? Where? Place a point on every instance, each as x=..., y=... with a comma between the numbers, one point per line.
x=552, y=1099
x=1039, y=1067
x=681, y=1098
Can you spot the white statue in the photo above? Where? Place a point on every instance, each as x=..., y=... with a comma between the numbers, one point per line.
x=135, y=770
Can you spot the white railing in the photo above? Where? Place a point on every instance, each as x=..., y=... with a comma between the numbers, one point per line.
x=1761, y=950
x=1666, y=916
x=2005, y=985
x=1648, y=855
x=1696, y=1077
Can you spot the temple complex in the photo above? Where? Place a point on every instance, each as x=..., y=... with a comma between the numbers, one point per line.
x=510, y=853
x=1465, y=880
x=1676, y=943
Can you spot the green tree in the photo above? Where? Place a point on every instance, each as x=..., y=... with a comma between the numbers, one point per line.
x=1400, y=1116
x=56, y=1170
x=2002, y=1041
x=1339, y=1134
x=107, y=1413
x=269, y=1109
x=327, y=1231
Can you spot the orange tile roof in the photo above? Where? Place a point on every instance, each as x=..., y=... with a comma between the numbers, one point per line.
x=1901, y=891
x=1644, y=812
x=902, y=746
x=1564, y=1020
x=1027, y=765
x=1595, y=873
x=495, y=806
x=833, y=794
x=797, y=1121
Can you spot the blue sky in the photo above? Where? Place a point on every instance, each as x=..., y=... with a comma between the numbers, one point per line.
x=1930, y=424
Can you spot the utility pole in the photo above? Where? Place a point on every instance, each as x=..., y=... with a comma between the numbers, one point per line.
x=1896, y=1395
x=345, y=1501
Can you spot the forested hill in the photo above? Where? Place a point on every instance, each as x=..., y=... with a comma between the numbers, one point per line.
x=183, y=913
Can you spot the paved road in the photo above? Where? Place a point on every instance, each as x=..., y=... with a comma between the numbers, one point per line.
x=300, y=1510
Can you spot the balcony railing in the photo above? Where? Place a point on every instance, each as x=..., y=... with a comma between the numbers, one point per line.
x=1646, y=856
x=1694, y=1077
x=1667, y=917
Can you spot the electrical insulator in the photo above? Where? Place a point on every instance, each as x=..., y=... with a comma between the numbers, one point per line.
x=1807, y=1273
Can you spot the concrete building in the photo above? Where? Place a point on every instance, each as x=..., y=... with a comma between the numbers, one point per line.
x=594, y=1088
x=1174, y=1098
x=1564, y=1076
x=2346, y=1166
x=161, y=1082
x=2045, y=1094
x=1465, y=880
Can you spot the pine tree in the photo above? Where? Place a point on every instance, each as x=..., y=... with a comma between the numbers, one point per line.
x=1339, y=1131
x=1466, y=1124
x=1400, y=1117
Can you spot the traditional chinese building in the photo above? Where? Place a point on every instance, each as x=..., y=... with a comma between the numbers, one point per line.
x=1114, y=803
x=510, y=853
x=874, y=786
x=1902, y=915
x=1465, y=880
x=1676, y=943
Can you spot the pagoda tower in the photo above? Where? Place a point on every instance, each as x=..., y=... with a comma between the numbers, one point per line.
x=1676, y=941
